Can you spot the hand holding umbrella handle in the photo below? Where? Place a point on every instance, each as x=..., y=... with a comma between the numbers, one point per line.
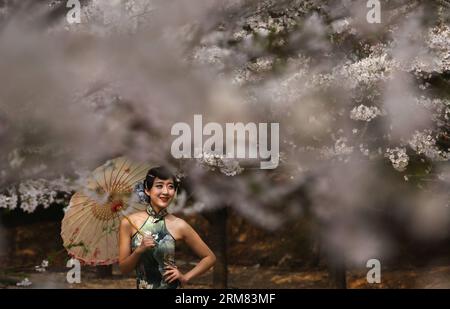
x=146, y=243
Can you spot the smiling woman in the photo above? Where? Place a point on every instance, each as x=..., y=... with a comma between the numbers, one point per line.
x=151, y=249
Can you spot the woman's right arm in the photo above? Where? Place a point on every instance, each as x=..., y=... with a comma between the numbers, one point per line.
x=128, y=259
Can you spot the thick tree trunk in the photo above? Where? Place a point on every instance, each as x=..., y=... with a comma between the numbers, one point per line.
x=337, y=270
x=7, y=248
x=218, y=227
x=7, y=238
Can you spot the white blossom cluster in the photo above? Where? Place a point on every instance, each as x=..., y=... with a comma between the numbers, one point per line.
x=252, y=72
x=340, y=150
x=102, y=18
x=321, y=81
x=263, y=26
x=24, y=283
x=8, y=200
x=230, y=167
x=262, y=64
x=301, y=82
x=440, y=109
x=424, y=143
x=255, y=29
x=242, y=76
x=343, y=25
x=227, y=166
x=438, y=40
x=432, y=57
x=365, y=113
x=145, y=285
x=42, y=267
x=32, y=193
x=438, y=105
x=367, y=71
x=398, y=157
x=211, y=55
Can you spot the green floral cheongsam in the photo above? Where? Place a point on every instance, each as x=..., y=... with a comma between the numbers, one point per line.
x=150, y=267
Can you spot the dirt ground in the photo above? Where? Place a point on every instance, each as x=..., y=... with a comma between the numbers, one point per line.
x=256, y=261
x=241, y=277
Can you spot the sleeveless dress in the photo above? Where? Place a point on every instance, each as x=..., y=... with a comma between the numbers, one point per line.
x=150, y=267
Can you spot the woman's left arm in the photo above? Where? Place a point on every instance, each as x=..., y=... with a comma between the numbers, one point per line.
x=194, y=241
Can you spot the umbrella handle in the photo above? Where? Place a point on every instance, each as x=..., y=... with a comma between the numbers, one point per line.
x=132, y=224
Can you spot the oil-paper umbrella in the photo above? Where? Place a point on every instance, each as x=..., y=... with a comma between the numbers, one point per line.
x=90, y=225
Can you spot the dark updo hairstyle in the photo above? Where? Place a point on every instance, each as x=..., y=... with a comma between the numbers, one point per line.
x=162, y=173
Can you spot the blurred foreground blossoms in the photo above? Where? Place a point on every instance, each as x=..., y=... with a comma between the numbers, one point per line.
x=362, y=107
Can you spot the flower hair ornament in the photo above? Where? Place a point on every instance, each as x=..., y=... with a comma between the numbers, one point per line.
x=139, y=189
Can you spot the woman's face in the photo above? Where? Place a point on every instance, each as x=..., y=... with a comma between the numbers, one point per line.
x=161, y=193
